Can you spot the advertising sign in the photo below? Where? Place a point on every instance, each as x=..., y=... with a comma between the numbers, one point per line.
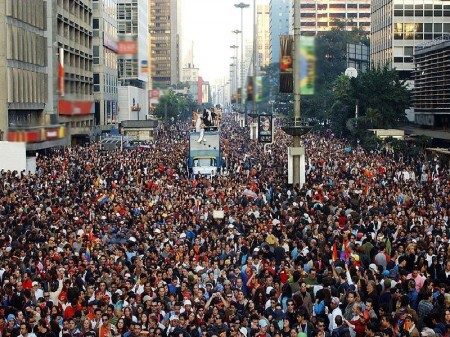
x=286, y=64
x=265, y=128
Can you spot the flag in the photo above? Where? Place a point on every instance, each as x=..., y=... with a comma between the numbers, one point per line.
x=307, y=66
x=88, y=254
x=335, y=252
x=111, y=197
x=342, y=254
x=102, y=199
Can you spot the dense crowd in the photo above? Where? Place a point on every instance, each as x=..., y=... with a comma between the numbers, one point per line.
x=125, y=244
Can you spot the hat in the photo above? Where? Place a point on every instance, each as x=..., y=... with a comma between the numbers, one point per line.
x=146, y=298
x=173, y=317
x=355, y=257
x=402, y=311
x=226, y=282
x=335, y=300
x=373, y=267
x=34, y=283
x=386, y=273
x=209, y=284
x=157, y=231
x=427, y=332
x=182, y=235
x=187, y=302
x=243, y=331
x=262, y=323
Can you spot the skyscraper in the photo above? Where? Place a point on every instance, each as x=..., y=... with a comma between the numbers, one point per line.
x=164, y=42
x=23, y=64
x=132, y=49
x=322, y=15
x=280, y=20
x=263, y=35
x=105, y=61
x=398, y=26
x=69, y=42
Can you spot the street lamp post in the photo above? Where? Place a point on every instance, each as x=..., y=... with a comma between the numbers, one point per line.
x=242, y=5
x=296, y=153
x=235, y=47
x=237, y=31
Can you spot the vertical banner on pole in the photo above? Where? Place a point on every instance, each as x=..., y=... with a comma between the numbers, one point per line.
x=307, y=66
x=265, y=128
x=258, y=89
x=250, y=88
x=61, y=72
x=286, y=64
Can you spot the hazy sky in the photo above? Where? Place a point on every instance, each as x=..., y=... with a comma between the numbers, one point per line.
x=209, y=24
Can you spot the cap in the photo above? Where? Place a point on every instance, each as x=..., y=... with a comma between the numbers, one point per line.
x=243, y=331
x=146, y=298
x=373, y=267
x=34, y=283
x=174, y=317
x=335, y=300
x=157, y=231
x=187, y=302
x=262, y=323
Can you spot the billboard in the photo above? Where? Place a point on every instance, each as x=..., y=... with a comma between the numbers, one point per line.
x=286, y=64
x=265, y=128
x=127, y=47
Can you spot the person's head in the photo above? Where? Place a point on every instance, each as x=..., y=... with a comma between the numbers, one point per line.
x=371, y=329
x=351, y=296
x=338, y=320
x=24, y=329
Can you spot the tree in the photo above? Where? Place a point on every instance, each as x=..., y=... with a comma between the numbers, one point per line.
x=170, y=105
x=381, y=96
x=380, y=89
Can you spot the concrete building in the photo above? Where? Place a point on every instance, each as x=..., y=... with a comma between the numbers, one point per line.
x=431, y=94
x=323, y=15
x=69, y=42
x=358, y=56
x=22, y=64
x=132, y=32
x=263, y=34
x=189, y=73
x=280, y=22
x=164, y=42
x=105, y=61
x=398, y=26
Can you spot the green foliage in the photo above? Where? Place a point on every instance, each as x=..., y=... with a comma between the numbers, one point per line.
x=381, y=96
x=173, y=104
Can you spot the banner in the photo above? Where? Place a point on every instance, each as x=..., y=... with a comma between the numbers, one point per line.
x=250, y=88
x=61, y=73
x=258, y=89
x=265, y=128
x=286, y=64
x=307, y=65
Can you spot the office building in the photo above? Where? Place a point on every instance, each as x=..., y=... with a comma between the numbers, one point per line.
x=189, y=73
x=358, y=56
x=105, y=61
x=280, y=12
x=431, y=94
x=70, y=58
x=23, y=66
x=263, y=35
x=132, y=50
x=164, y=42
x=398, y=26
x=323, y=15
